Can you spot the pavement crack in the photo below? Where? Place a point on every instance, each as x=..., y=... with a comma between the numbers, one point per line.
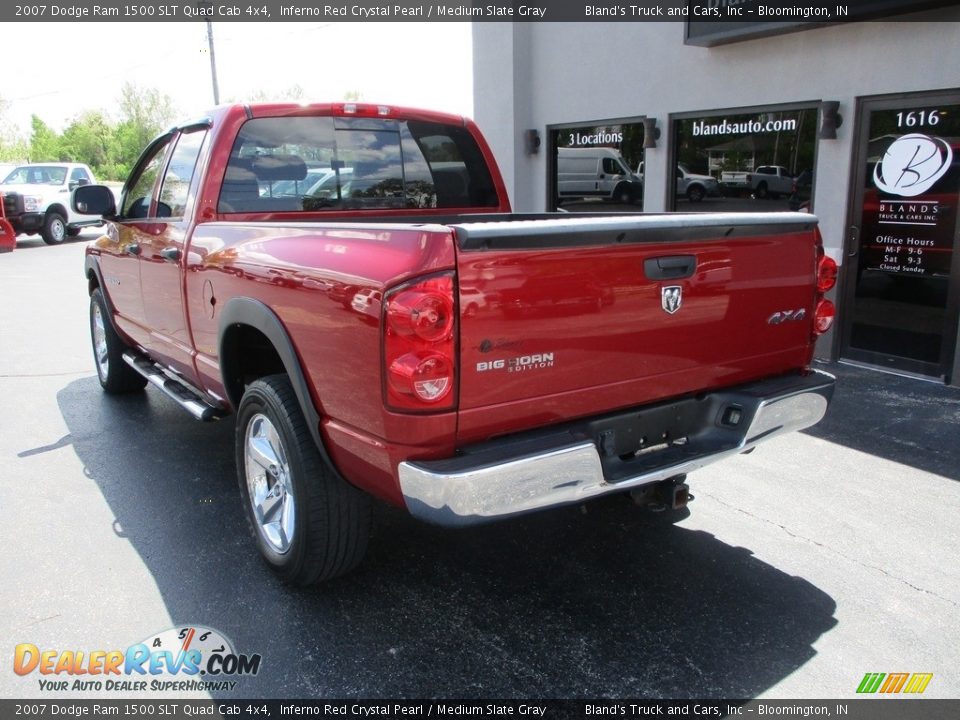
x=829, y=549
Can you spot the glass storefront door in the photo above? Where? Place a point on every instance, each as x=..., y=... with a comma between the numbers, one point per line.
x=902, y=285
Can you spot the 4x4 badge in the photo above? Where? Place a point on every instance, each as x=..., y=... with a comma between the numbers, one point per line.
x=671, y=297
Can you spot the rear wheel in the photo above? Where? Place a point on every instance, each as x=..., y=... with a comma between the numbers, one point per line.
x=114, y=374
x=308, y=523
x=54, y=229
x=762, y=191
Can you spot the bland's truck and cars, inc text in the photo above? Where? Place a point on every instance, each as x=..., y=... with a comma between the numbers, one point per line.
x=348, y=279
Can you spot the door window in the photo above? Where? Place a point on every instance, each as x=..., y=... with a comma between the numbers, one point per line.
x=176, y=181
x=902, y=311
x=139, y=194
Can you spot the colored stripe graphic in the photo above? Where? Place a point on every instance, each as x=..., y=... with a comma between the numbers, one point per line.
x=870, y=682
x=918, y=682
x=894, y=683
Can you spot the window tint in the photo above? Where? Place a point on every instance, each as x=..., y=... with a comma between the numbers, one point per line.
x=323, y=163
x=176, y=183
x=136, y=202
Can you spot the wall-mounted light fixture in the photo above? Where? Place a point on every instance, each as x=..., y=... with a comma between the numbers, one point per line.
x=830, y=119
x=651, y=133
x=531, y=141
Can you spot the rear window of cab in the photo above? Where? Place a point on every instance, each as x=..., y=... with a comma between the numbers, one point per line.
x=309, y=164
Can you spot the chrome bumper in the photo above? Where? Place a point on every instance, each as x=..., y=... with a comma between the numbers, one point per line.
x=528, y=473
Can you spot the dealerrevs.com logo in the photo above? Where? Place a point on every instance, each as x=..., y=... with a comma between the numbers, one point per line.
x=180, y=659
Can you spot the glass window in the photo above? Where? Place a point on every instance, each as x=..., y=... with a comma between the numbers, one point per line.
x=139, y=193
x=176, y=182
x=595, y=167
x=323, y=163
x=37, y=175
x=754, y=162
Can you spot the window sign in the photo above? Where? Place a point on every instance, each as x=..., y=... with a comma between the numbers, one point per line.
x=757, y=161
x=598, y=168
x=902, y=307
x=913, y=176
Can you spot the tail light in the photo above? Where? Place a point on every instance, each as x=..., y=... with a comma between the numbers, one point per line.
x=826, y=273
x=823, y=316
x=419, y=346
x=824, y=311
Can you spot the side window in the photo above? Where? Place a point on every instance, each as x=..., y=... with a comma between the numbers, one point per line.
x=136, y=201
x=176, y=183
x=610, y=166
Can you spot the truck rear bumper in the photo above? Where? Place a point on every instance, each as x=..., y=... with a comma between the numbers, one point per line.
x=614, y=453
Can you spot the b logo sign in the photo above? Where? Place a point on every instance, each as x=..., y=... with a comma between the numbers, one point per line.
x=912, y=165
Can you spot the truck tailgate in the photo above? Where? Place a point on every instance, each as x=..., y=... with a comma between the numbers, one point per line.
x=572, y=317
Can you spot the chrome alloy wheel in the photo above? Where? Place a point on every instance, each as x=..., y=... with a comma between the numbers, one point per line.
x=100, y=351
x=268, y=484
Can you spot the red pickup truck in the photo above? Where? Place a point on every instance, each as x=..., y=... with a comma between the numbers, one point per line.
x=349, y=280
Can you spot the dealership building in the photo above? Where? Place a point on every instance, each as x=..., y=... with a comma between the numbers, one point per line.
x=856, y=122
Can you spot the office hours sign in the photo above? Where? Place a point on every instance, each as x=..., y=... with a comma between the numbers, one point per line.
x=912, y=189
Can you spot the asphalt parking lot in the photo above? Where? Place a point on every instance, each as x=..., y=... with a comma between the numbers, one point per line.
x=801, y=566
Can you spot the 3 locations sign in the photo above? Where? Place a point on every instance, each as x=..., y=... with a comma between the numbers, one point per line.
x=912, y=189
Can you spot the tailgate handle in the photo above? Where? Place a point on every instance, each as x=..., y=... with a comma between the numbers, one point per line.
x=673, y=267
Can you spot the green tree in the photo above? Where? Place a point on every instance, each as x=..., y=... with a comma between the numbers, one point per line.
x=12, y=146
x=90, y=139
x=44, y=142
x=144, y=114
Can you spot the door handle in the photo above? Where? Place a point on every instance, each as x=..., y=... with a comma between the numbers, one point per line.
x=854, y=241
x=132, y=249
x=170, y=254
x=673, y=267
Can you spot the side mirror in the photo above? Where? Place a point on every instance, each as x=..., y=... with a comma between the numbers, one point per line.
x=94, y=200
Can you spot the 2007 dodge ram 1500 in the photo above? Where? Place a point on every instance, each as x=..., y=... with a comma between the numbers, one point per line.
x=348, y=280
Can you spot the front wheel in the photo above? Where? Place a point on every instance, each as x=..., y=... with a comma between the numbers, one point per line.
x=623, y=194
x=308, y=523
x=113, y=372
x=54, y=229
x=695, y=193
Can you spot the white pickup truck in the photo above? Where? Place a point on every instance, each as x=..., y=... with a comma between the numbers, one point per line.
x=765, y=181
x=45, y=192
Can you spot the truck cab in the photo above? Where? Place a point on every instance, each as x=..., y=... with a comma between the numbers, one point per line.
x=45, y=191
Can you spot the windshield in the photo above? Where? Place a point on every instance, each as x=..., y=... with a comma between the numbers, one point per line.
x=37, y=175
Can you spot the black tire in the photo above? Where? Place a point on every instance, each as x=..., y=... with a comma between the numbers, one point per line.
x=762, y=191
x=73, y=231
x=695, y=193
x=54, y=230
x=623, y=194
x=114, y=374
x=331, y=518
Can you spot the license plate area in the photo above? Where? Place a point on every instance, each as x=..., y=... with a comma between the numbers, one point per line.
x=633, y=442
